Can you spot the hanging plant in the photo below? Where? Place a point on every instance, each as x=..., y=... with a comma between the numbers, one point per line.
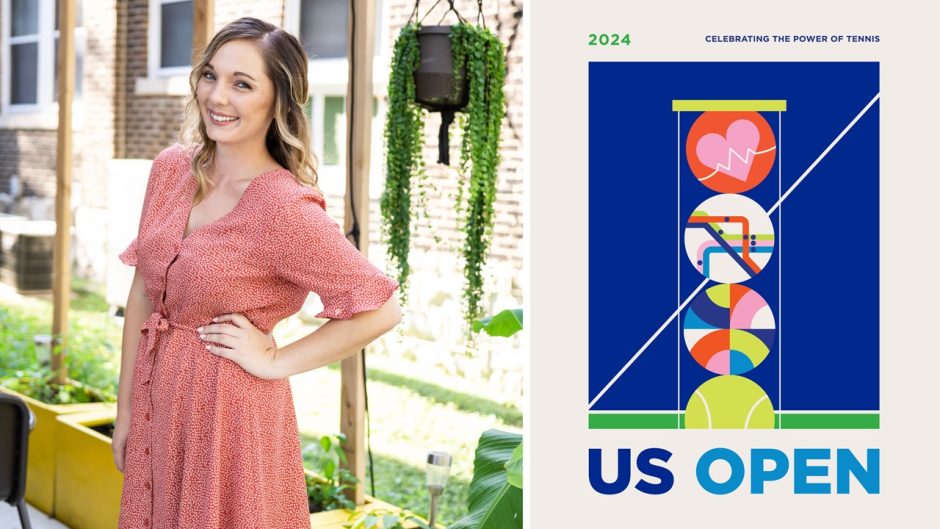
x=478, y=61
x=403, y=143
x=482, y=54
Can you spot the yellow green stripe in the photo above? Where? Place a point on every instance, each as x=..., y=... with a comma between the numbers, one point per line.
x=729, y=105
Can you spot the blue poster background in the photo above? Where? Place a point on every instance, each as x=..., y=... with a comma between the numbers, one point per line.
x=826, y=253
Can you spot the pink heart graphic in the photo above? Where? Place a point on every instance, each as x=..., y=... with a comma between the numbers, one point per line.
x=732, y=153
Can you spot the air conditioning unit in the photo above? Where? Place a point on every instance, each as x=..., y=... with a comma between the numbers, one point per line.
x=26, y=250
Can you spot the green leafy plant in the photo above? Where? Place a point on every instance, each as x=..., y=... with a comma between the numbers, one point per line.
x=482, y=54
x=496, y=488
x=505, y=323
x=385, y=519
x=40, y=384
x=328, y=492
x=495, y=499
x=403, y=141
x=514, y=468
x=92, y=359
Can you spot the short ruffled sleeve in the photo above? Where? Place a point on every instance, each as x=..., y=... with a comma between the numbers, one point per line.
x=129, y=255
x=163, y=162
x=310, y=250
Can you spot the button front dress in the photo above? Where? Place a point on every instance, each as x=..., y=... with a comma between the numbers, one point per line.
x=210, y=445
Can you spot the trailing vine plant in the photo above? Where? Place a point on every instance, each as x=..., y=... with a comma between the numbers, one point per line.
x=483, y=55
x=403, y=143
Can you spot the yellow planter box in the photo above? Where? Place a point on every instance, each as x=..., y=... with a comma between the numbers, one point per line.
x=88, y=484
x=336, y=518
x=41, y=461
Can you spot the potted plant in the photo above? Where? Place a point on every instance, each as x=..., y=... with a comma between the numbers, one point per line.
x=479, y=54
x=89, y=384
x=326, y=491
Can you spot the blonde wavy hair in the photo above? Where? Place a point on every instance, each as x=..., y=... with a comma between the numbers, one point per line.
x=288, y=138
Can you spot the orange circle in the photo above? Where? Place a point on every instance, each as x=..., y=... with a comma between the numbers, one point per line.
x=731, y=152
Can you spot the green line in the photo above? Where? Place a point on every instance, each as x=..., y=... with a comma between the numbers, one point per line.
x=729, y=105
x=791, y=421
x=632, y=421
x=831, y=421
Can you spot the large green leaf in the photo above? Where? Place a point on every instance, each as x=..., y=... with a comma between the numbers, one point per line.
x=505, y=323
x=514, y=468
x=494, y=503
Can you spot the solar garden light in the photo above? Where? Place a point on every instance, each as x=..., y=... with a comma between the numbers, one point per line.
x=437, y=471
x=43, y=343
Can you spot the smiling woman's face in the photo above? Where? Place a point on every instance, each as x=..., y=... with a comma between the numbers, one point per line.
x=234, y=85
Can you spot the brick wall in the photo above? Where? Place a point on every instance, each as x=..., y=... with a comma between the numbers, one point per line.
x=122, y=123
x=153, y=121
x=30, y=153
x=93, y=147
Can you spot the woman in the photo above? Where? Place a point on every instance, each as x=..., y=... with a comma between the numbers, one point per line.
x=233, y=235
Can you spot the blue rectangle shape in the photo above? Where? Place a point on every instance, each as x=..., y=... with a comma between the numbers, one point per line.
x=826, y=353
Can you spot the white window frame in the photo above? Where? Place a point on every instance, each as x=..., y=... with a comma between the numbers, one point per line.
x=44, y=114
x=329, y=78
x=155, y=28
x=160, y=81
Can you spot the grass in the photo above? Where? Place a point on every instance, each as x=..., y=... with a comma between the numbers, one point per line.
x=405, y=426
x=400, y=480
x=509, y=414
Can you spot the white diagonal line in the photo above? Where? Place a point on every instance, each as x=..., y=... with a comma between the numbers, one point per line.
x=824, y=153
x=702, y=285
x=648, y=342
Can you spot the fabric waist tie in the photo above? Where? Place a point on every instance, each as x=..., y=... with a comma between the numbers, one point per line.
x=153, y=327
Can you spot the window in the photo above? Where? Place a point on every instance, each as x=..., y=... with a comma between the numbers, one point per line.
x=321, y=26
x=30, y=47
x=328, y=127
x=171, y=37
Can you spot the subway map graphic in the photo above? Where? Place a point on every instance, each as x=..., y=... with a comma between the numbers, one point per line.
x=735, y=297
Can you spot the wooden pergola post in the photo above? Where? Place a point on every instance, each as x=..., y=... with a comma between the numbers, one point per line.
x=62, y=269
x=360, y=43
x=203, y=25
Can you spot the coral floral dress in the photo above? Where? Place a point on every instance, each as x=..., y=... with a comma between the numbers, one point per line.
x=210, y=445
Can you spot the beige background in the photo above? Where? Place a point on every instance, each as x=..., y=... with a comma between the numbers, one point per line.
x=558, y=494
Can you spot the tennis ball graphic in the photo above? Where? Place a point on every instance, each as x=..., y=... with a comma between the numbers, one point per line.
x=729, y=401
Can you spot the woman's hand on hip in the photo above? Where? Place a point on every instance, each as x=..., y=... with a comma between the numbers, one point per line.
x=233, y=336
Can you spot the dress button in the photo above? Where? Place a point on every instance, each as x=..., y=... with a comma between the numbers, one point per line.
x=147, y=521
x=147, y=416
x=147, y=485
x=147, y=451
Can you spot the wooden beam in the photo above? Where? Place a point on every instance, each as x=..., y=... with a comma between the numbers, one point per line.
x=361, y=42
x=203, y=25
x=62, y=262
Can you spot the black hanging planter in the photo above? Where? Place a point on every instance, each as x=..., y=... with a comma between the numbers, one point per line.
x=436, y=87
